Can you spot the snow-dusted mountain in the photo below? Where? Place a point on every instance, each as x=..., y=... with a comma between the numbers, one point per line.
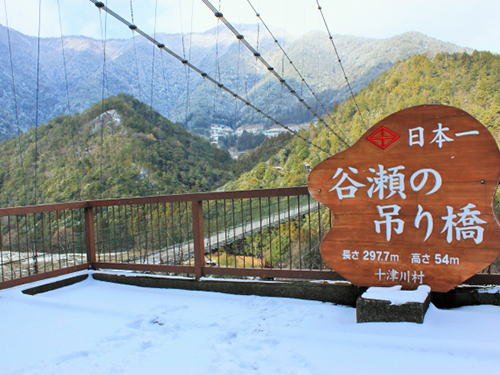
x=182, y=95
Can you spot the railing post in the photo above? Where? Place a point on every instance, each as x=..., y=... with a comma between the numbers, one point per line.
x=90, y=235
x=198, y=238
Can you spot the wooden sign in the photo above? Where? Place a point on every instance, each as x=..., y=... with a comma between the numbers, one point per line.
x=412, y=201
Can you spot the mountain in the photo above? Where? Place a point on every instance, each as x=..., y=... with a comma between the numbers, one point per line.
x=182, y=95
x=468, y=81
x=142, y=153
x=117, y=148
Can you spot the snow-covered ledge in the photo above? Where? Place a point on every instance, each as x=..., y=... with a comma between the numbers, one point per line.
x=392, y=304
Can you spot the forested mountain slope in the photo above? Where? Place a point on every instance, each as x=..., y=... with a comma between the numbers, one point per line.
x=119, y=148
x=468, y=81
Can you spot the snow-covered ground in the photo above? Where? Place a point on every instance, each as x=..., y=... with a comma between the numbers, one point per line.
x=95, y=327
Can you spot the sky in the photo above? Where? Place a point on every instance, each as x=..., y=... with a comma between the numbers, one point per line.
x=96, y=327
x=466, y=23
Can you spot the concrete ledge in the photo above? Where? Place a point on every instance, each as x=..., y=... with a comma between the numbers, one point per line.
x=342, y=294
x=379, y=309
x=54, y=285
x=338, y=293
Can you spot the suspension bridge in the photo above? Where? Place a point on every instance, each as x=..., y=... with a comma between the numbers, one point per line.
x=185, y=250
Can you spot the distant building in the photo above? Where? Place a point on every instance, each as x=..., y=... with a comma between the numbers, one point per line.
x=218, y=131
x=255, y=129
x=268, y=132
x=273, y=132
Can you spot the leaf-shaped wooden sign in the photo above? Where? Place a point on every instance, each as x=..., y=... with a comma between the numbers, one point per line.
x=412, y=201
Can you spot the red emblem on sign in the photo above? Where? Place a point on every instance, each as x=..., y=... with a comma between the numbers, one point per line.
x=382, y=137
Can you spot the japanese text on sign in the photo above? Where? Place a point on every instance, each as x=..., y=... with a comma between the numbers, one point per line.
x=386, y=183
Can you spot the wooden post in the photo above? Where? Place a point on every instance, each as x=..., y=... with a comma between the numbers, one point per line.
x=90, y=236
x=198, y=238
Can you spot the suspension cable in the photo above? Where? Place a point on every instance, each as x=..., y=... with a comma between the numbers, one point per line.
x=68, y=101
x=64, y=57
x=340, y=63
x=187, y=71
x=101, y=5
x=164, y=76
x=14, y=92
x=37, y=99
x=235, y=115
x=132, y=29
x=35, y=250
x=271, y=69
x=153, y=118
x=217, y=71
x=104, y=77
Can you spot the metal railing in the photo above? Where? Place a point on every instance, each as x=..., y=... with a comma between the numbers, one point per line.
x=270, y=233
x=42, y=241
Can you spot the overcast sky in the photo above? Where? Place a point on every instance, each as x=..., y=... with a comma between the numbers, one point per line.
x=468, y=23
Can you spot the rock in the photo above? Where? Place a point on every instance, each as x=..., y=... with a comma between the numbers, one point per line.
x=392, y=304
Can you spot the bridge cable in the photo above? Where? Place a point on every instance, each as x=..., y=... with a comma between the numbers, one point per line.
x=153, y=117
x=341, y=65
x=304, y=57
x=141, y=97
x=37, y=99
x=101, y=5
x=186, y=70
x=104, y=78
x=269, y=67
x=132, y=28
x=188, y=101
x=165, y=78
x=217, y=90
x=16, y=108
x=68, y=102
x=188, y=93
x=281, y=106
x=237, y=89
x=64, y=57
x=255, y=66
x=235, y=116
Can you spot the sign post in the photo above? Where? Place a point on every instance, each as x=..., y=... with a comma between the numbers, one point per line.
x=412, y=201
